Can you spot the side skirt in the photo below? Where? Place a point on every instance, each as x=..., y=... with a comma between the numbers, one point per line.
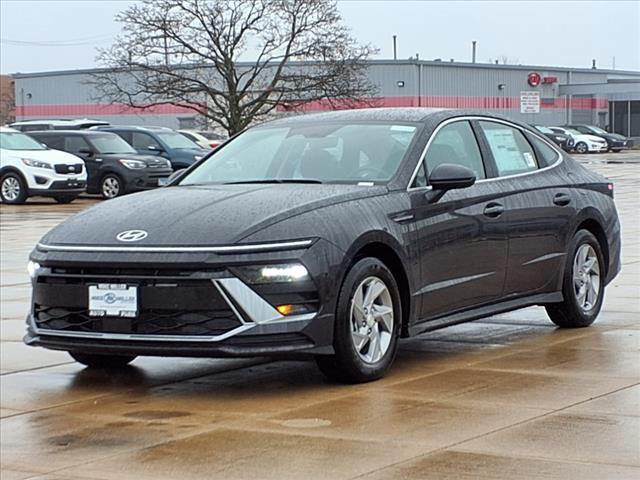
x=484, y=311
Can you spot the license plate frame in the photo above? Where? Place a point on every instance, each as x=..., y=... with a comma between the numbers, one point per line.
x=163, y=181
x=113, y=299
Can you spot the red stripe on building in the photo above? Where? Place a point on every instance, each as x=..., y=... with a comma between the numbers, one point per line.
x=491, y=103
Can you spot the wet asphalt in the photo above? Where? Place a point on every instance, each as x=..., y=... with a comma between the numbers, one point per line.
x=506, y=397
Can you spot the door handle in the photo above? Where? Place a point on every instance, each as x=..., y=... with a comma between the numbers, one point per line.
x=493, y=210
x=562, y=199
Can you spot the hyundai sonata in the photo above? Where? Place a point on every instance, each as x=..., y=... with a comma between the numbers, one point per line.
x=331, y=235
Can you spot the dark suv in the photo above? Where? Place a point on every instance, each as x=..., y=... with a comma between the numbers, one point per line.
x=615, y=141
x=160, y=141
x=113, y=167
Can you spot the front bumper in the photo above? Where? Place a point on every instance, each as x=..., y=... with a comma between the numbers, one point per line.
x=210, y=312
x=147, y=179
x=60, y=187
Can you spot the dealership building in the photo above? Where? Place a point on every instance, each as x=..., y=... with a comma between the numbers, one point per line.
x=532, y=94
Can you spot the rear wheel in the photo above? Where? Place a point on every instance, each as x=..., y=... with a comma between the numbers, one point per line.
x=65, y=198
x=367, y=325
x=111, y=186
x=616, y=150
x=13, y=189
x=582, y=147
x=583, y=284
x=102, y=361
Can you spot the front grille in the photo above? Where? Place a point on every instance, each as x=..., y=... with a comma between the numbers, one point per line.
x=170, y=302
x=148, y=322
x=74, y=169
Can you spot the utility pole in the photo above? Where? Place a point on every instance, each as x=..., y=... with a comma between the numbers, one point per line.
x=473, y=51
x=395, y=51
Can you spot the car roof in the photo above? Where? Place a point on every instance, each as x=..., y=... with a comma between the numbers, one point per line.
x=9, y=130
x=61, y=121
x=133, y=127
x=393, y=114
x=51, y=133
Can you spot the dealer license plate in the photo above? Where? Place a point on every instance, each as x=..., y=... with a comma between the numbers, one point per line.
x=162, y=181
x=109, y=299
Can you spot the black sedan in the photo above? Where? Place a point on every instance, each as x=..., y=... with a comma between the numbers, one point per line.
x=331, y=235
x=565, y=142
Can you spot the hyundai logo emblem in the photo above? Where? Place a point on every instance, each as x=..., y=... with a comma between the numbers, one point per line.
x=131, y=235
x=110, y=297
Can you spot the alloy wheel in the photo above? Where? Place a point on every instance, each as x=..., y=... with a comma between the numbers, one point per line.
x=11, y=189
x=586, y=277
x=371, y=319
x=110, y=187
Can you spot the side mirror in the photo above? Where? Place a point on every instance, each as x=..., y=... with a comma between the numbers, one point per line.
x=449, y=176
x=85, y=152
x=176, y=175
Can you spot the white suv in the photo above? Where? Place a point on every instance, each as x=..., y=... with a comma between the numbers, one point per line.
x=28, y=168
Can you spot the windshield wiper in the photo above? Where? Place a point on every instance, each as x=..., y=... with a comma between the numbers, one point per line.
x=275, y=180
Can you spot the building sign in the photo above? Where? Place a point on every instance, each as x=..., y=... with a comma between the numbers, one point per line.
x=534, y=79
x=529, y=102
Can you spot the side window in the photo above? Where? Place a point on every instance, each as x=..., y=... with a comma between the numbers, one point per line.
x=454, y=143
x=75, y=143
x=511, y=151
x=51, y=141
x=546, y=155
x=142, y=141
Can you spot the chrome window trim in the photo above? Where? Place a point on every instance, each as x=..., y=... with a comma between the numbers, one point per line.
x=262, y=247
x=489, y=119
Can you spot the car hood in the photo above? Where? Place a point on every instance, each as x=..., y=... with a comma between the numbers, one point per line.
x=199, y=215
x=50, y=156
x=588, y=138
x=614, y=136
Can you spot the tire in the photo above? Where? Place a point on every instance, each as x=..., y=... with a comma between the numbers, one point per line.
x=581, y=147
x=13, y=189
x=111, y=186
x=65, y=198
x=102, y=361
x=616, y=150
x=376, y=333
x=577, y=311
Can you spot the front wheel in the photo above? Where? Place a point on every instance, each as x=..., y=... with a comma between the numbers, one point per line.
x=367, y=325
x=13, y=189
x=582, y=147
x=616, y=150
x=582, y=285
x=111, y=186
x=102, y=361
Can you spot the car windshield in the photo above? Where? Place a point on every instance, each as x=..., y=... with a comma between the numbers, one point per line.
x=309, y=153
x=211, y=135
x=597, y=130
x=544, y=129
x=110, y=143
x=177, y=141
x=19, y=141
x=573, y=132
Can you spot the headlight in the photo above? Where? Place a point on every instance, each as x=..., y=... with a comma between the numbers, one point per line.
x=36, y=163
x=559, y=138
x=198, y=157
x=287, y=273
x=32, y=268
x=133, y=164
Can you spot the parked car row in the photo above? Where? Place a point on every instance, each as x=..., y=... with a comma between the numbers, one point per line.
x=585, y=138
x=64, y=158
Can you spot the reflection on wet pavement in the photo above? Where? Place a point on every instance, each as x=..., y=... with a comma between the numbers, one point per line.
x=505, y=397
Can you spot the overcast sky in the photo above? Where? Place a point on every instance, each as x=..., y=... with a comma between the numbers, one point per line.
x=61, y=35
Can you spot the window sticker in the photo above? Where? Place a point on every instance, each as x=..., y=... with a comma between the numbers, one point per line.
x=531, y=163
x=505, y=150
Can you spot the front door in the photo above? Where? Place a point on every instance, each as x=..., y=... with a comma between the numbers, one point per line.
x=461, y=238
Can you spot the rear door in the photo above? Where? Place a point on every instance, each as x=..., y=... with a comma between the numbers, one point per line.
x=461, y=239
x=538, y=206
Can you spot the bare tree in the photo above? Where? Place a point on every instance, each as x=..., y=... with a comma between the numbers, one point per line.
x=186, y=53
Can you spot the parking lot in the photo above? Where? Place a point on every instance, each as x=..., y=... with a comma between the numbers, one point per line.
x=509, y=396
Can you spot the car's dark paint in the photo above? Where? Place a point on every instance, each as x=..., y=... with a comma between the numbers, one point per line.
x=615, y=141
x=179, y=158
x=495, y=246
x=560, y=139
x=99, y=164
